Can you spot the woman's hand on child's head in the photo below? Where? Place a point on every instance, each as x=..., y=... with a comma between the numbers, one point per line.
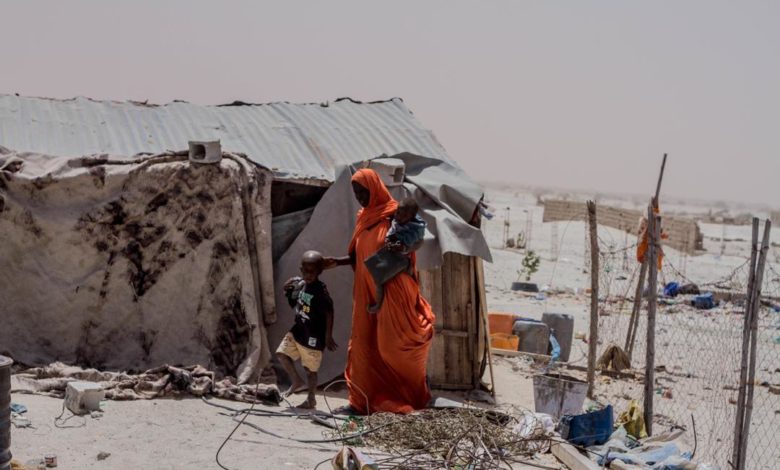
x=329, y=262
x=332, y=346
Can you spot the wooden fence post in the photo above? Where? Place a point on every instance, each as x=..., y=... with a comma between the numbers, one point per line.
x=633, y=322
x=594, y=296
x=740, y=419
x=755, y=305
x=653, y=230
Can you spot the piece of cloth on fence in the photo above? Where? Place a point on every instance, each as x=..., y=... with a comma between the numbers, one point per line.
x=615, y=358
x=163, y=381
x=643, y=244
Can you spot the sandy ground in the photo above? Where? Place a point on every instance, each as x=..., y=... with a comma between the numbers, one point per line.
x=186, y=433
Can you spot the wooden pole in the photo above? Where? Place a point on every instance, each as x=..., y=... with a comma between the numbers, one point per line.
x=739, y=422
x=755, y=305
x=483, y=313
x=653, y=230
x=660, y=178
x=633, y=322
x=594, y=296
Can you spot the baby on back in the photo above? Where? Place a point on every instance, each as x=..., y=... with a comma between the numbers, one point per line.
x=407, y=228
x=405, y=236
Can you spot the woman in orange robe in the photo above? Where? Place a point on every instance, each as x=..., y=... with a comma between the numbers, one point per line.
x=388, y=351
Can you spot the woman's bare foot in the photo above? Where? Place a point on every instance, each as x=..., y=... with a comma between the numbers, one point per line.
x=294, y=388
x=309, y=404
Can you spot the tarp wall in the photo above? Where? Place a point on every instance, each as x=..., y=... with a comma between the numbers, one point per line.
x=124, y=263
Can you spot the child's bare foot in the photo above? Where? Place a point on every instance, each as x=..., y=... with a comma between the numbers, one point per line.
x=309, y=404
x=295, y=387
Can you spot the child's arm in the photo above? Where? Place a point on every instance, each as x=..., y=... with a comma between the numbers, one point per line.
x=331, y=345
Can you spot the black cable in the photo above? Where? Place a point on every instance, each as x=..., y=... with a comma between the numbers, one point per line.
x=314, y=441
x=57, y=420
x=272, y=413
x=251, y=408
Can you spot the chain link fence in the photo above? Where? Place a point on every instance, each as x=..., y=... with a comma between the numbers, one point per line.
x=697, y=354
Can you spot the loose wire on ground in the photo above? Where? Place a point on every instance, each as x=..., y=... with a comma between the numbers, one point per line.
x=59, y=423
x=251, y=408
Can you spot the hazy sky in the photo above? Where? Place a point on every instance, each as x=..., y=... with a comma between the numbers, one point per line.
x=581, y=94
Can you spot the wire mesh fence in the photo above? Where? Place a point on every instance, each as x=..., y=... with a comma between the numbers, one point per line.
x=697, y=353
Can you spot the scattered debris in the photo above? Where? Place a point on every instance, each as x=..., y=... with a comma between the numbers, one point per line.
x=452, y=437
x=615, y=358
x=103, y=455
x=592, y=428
x=480, y=396
x=351, y=459
x=18, y=409
x=633, y=421
x=704, y=301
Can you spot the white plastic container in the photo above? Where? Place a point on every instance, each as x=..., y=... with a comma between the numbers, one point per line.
x=83, y=397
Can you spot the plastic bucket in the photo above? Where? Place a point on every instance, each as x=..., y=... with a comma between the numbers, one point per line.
x=5, y=413
x=504, y=341
x=559, y=395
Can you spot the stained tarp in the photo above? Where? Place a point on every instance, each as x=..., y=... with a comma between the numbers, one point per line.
x=447, y=198
x=121, y=263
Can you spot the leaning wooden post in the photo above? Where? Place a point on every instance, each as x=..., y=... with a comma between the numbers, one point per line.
x=660, y=179
x=755, y=305
x=740, y=419
x=594, y=296
x=633, y=322
x=653, y=230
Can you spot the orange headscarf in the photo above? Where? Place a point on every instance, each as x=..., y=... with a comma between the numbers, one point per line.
x=381, y=204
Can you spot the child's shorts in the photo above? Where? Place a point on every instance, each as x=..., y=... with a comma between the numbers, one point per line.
x=310, y=358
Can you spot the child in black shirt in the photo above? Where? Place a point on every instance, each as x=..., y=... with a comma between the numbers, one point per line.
x=313, y=328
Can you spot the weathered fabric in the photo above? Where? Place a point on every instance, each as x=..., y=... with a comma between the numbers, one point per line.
x=125, y=264
x=163, y=381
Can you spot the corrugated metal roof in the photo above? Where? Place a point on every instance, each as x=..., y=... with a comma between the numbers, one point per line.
x=295, y=140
